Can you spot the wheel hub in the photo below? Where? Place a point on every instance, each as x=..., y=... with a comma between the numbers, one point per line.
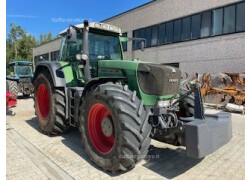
x=101, y=128
x=107, y=128
x=43, y=101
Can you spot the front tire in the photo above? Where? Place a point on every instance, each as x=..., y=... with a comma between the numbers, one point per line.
x=50, y=106
x=125, y=140
x=187, y=104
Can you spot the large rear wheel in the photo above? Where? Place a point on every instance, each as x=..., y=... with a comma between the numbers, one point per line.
x=114, y=127
x=50, y=105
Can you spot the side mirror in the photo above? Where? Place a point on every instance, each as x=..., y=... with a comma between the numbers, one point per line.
x=142, y=45
x=71, y=35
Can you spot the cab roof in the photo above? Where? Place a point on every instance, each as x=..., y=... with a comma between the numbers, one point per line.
x=24, y=63
x=97, y=25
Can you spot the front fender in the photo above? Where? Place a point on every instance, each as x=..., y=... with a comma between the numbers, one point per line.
x=55, y=70
x=100, y=80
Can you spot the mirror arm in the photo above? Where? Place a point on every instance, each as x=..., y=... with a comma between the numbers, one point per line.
x=139, y=39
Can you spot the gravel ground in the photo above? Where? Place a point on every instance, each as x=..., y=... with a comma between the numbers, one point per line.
x=32, y=155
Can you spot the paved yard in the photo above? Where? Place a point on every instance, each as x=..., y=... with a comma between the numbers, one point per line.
x=32, y=155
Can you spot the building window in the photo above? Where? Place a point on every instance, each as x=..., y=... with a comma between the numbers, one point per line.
x=196, y=26
x=217, y=21
x=169, y=32
x=154, y=38
x=176, y=65
x=136, y=34
x=148, y=32
x=125, y=44
x=224, y=20
x=240, y=17
x=177, y=30
x=54, y=56
x=142, y=35
x=37, y=59
x=186, y=28
x=229, y=19
x=162, y=32
x=45, y=56
x=41, y=57
x=205, y=24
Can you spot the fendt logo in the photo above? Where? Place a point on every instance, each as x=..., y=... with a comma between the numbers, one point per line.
x=173, y=80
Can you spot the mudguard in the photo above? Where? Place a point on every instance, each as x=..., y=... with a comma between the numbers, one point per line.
x=56, y=72
x=100, y=80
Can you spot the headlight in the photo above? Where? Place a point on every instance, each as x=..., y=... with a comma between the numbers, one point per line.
x=78, y=57
x=163, y=103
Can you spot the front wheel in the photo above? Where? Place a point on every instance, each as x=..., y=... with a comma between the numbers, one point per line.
x=114, y=127
x=50, y=106
x=187, y=104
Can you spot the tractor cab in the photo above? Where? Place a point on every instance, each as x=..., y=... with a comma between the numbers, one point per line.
x=101, y=41
x=20, y=69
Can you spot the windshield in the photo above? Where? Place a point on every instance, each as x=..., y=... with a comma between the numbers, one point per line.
x=101, y=47
x=23, y=70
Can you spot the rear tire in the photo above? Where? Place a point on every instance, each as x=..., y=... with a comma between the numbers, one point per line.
x=50, y=106
x=130, y=131
x=12, y=87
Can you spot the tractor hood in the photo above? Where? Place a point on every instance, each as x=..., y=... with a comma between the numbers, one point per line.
x=158, y=79
x=152, y=81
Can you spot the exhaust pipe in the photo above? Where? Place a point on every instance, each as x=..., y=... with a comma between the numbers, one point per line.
x=87, y=74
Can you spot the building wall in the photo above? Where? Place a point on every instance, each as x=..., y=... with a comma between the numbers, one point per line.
x=47, y=48
x=214, y=54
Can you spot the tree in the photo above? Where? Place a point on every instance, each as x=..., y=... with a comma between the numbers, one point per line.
x=19, y=44
x=25, y=46
x=43, y=38
x=16, y=33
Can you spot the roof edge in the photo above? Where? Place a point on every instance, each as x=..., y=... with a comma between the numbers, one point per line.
x=117, y=15
x=47, y=42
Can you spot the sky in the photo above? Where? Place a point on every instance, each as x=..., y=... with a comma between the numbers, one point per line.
x=42, y=16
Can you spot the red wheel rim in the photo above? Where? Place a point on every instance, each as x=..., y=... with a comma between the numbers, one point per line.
x=102, y=143
x=43, y=101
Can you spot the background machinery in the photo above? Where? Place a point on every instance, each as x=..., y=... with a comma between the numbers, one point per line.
x=19, y=79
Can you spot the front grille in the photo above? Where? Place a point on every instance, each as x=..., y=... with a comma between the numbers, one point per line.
x=159, y=79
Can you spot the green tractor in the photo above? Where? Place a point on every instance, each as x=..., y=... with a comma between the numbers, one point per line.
x=19, y=79
x=120, y=105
